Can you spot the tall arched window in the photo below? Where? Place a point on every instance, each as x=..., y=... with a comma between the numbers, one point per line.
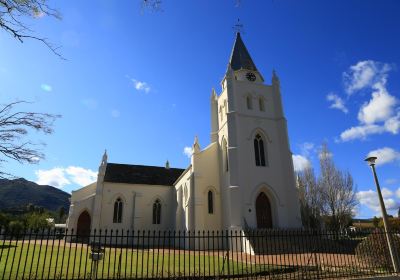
x=157, y=212
x=261, y=104
x=210, y=197
x=259, y=150
x=249, y=102
x=117, y=218
x=221, y=113
x=225, y=154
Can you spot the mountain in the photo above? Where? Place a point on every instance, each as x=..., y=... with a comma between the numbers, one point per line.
x=20, y=192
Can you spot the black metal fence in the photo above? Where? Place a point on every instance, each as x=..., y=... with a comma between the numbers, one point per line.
x=123, y=254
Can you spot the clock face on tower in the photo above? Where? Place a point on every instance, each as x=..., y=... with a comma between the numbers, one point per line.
x=250, y=76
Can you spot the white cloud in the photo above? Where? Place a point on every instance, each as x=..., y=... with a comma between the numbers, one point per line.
x=140, y=85
x=361, y=132
x=59, y=177
x=398, y=192
x=337, y=102
x=378, y=115
x=385, y=155
x=379, y=108
x=81, y=176
x=364, y=74
x=46, y=87
x=115, y=113
x=188, y=151
x=370, y=199
x=392, y=124
x=306, y=148
x=300, y=163
x=54, y=177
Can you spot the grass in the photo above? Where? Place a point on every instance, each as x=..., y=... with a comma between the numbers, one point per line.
x=54, y=260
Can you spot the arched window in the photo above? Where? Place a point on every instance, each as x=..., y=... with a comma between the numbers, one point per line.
x=210, y=197
x=157, y=212
x=249, y=102
x=117, y=218
x=259, y=150
x=225, y=155
x=225, y=107
x=261, y=104
x=221, y=113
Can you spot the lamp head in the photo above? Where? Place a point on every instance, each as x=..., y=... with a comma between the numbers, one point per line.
x=371, y=160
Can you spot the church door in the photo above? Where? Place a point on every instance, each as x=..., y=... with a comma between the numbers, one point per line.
x=83, y=227
x=263, y=211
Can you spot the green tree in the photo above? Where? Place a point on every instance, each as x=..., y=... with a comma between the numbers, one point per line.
x=38, y=221
x=16, y=227
x=375, y=222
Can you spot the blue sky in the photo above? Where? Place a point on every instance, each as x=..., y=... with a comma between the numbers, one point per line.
x=138, y=82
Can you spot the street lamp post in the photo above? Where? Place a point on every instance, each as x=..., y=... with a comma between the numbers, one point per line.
x=392, y=249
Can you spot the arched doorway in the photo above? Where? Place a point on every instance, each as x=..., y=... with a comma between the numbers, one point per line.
x=263, y=211
x=83, y=226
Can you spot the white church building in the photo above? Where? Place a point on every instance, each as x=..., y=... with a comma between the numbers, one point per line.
x=243, y=179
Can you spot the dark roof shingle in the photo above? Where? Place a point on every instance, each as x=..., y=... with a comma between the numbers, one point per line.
x=140, y=174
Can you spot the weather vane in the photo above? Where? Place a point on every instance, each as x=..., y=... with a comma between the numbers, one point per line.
x=238, y=27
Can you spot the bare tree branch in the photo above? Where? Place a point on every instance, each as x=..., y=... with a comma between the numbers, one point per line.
x=15, y=126
x=12, y=13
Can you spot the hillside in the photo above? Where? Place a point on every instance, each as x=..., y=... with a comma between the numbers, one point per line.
x=20, y=192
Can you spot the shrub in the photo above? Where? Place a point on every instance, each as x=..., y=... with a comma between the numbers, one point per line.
x=374, y=251
x=15, y=227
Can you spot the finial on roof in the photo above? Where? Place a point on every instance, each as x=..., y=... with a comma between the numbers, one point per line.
x=167, y=165
x=275, y=78
x=105, y=157
x=196, y=146
x=213, y=94
x=238, y=27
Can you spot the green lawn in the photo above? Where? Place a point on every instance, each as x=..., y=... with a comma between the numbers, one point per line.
x=43, y=261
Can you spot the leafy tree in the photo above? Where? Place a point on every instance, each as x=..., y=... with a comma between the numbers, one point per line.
x=15, y=227
x=375, y=222
x=394, y=224
x=13, y=14
x=37, y=221
x=4, y=220
x=14, y=126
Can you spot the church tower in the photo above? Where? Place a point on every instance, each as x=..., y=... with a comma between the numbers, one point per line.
x=256, y=170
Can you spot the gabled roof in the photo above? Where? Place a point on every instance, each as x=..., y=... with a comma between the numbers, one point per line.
x=140, y=174
x=240, y=57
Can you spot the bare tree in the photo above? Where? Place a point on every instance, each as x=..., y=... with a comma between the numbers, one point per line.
x=311, y=198
x=338, y=191
x=13, y=14
x=156, y=5
x=14, y=126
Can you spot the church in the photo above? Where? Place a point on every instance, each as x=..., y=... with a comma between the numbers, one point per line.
x=243, y=179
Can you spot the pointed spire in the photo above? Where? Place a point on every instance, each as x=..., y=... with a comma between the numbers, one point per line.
x=240, y=57
x=213, y=95
x=167, y=165
x=275, y=78
x=105, y=157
